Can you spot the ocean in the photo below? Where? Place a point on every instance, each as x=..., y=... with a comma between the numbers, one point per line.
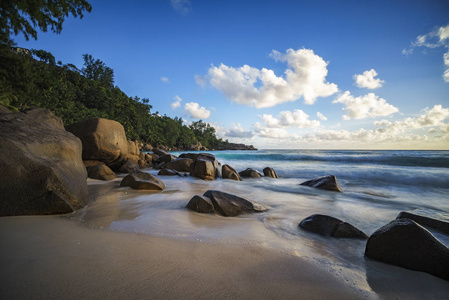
x=376, y=185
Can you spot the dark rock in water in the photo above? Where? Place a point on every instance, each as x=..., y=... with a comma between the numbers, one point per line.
x=159, y=166
x=328, y=183
x=250, y=173
x=101, y=172
x=230, y=205
x=160, y=152
x=143, y=181
x=129, y=167
x=201, y=204
x=205, y=166
x=103, y=140
x=407, y=244
x=229, y=172
x=192, y=156
x=42, y=170
x=330, y=226
x=166, y=158
x=180, y=164
x=269, y=172
x=428, y=217
x=168, y=172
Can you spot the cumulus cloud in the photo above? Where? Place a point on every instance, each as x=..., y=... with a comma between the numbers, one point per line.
x=439, y=37
x=365, y=106
x=305, y=77
x=182, y=6
x=367, y=80
x=165, y=79
x=270, y=133
x=238, y=132
x=296, y=118
x=177, y=103
x=321, y=116
x=194, y=111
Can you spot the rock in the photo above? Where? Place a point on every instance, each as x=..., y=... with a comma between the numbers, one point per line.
x=330, y=226
x=407, y=244
x=4, y=110
x=205, y=166
x=160, y=152
x=145, y=160
x=90, y=163
x=159, y=166
x=103, y=140
x=180, y=164
x=250, y=173
x=133, y=152
x=143, y=181
x=129, y=167
x=101, y=172
x=229, y=172
x=168, y=172
x=201, y=204
x=147, y=147
x=328, y=183
x=166, y=158
x=428, y=217
x=229, y=205
x=269, y=172
x=42, y=170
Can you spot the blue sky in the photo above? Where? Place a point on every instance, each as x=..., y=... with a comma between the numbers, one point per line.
x=261, y=71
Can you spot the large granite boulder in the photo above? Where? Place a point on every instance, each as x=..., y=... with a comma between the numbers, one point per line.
x=180, y=164
x=101, y=172
x=428, y=217
x=330, y=226
x=129, y=167
x=205, y=166
x=328, y=183
x=250, y=173
x=225, y=204
x=42, y=170
x=407, y=244
x=103, y=140
x=133, y=152
x=229, y=172
x=269, y=172
x=160, y=152
x=166, y=158
x=143, y=181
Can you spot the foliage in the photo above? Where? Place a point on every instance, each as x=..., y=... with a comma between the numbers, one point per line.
x=26, y=15
x=76, y=95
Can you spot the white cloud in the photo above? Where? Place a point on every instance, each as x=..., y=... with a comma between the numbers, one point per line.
x=177, y=103
x=321, y=116
x=194, y=111
x=438, y=37
x=365, y=106
x=165, y=79
x=305, y=77
x=200, y=80
x=367, y=80
x=287, y=119
x=182, y=6
x=271, y=133
x=238, y=132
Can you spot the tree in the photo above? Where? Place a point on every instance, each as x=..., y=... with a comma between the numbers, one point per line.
x=98, y=71
x=26, y=15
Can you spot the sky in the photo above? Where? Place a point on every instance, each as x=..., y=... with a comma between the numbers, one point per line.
x=277, y=73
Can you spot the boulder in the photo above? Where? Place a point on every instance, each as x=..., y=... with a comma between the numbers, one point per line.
x=330, y=226
x=250, y=173
x=4, y=110
x=201, y=204
x=147, y=147
x=328, y=183
x=101, y=172
x=159, y=166
x=90, y=163
x=145, y=160
x=159, y=152
x=192, y=156
x=166, y=158
x=205, y=166
x=428, y=217
x=405, y=243
x=229, y=205
x=129, y=167
x=133, y=152
x=42, y=170
x=229, y=172
x=143, y=181
x=269, y=172
x=103, y=140
x=180, y=164
x=168, y=172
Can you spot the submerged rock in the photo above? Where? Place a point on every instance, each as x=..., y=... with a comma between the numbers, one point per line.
x=407, y=244
x=229, y=172
x=250, y=173
x=330, y=226
x=143, y=181
x=428, y=217
x=269, y=172
x=328, y=183
x=101, y=172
